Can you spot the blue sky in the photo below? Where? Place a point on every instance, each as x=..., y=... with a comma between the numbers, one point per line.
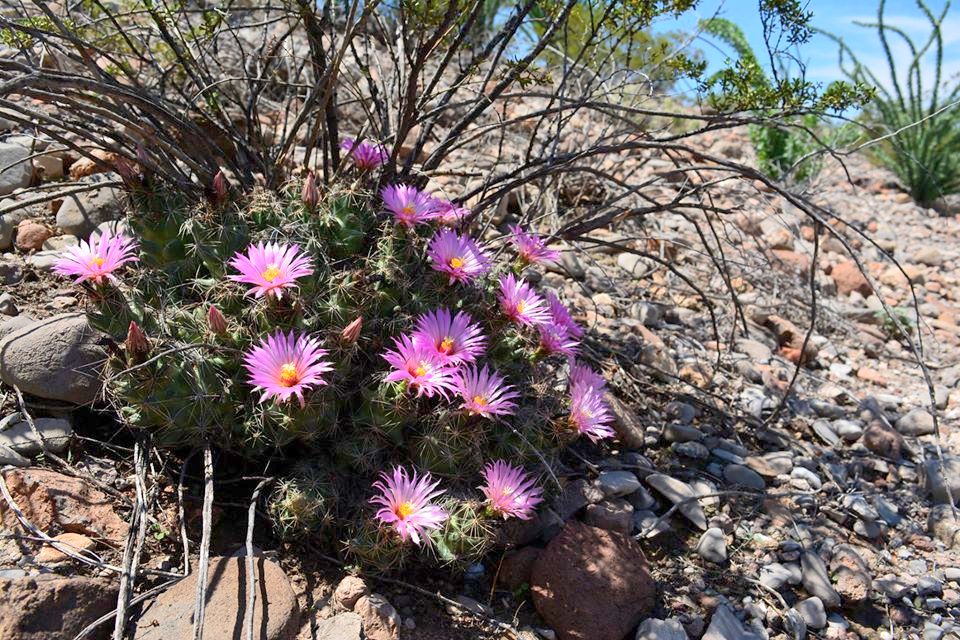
x=837, y=17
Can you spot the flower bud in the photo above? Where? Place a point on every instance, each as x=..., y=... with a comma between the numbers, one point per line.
x=136, y=345
x=220, y=187
x=216, y=321
x=351, y=332
x=310, y=194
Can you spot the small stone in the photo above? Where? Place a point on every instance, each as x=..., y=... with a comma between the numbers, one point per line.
x=812, y=479
x=774, y=575
x=380, y=620
x=16, y=433
x=31, y=235
x=943, y=526
x=825, y=431
x=11, y=457
x=883, y=441
x=713, y=546
x=936, y=481
x=655, y=629
x=612, y=515
x=693, y=450
x=771, y=465
x=616, y=484
x=848, y=430
x=816, y=581
x=813, y=612
x=8, y=305
x=343, y=626
x=916, y=422
x=577, y=495
x=850, y=278
x=649, y=525
x=18, y=170
x=738, y=474
x=76, y=542
x=724, y=625
x=349, y=590
x=929, y=586
x=48, y=168
x=681, y=433
x=679, y=492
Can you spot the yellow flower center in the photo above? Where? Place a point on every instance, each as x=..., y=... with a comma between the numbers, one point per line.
x=271, y=272
x=446, y=345
x=97, y=262
x=480, y=401
x=408, y=210
x=456, y=263
x=404, y=509
x=521, y=306
x=289, y=375
x=420, y=370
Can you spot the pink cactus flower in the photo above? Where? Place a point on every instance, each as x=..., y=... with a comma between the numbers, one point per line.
x=457, y=256
x=510, y=492
x=286, y=365
x=589, y=414
x=521, y=303
x=455, y=338
x=270, y=268
x=405, y=503
x=530, y=247
x=365, y=155
x=420, y=366
x=484, y=392
x=449, y=214
x=555, y=338
x=581, y=375
x=97, y=259
x=409, y=205
x=561, y=315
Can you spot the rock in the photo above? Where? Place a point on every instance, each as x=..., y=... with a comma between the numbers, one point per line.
x=80, y=214
x=943, y=526
x=755, y=350
x=916, y=422
x=813, y=612
x=771, y=465
x=681, y=433
x=343, y=626
x=693, y=450
x=849, y=278
x=31, y=235
x=725, y=626
x=57, y=358
x=738, y=474
x=350, y=589
x=11, y=271
x=76, y=542
x=8, y=305
x=517, y=567
x=656, y=355
x=612, y=515
x=816, y=581
x=19, y=169
x=276, y=613
x=616, y=484
x=590, y=584
x=11, y=457
x=52, y=500
x=825, y=431
x=848, y=430
x=654, y=629
x=883, y=440
x=775, y=575
x=649, y=313
x=48, y=168
x=576, y=496
x=468, y=604
x=676, y=492
x=48, y=606
x=935, y=482
x=629, y=429
x=16, y=433
x=928, y=255
x=713, y=546
x=18, y=322
x=380, y=620
x=9, y=222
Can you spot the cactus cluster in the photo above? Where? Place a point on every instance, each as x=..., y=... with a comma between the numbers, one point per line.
x=185, y=329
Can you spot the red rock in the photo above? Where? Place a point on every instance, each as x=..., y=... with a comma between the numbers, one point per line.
x=591, y=584
x=849, y=278
x=76, y=542
x=791, y=261
x=883, y=440
x=350, y=589
x=31, y=235
x=516, y=568
x=48, y=606
x=872, y=375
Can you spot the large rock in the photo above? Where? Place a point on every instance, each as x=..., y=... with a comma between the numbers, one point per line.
x=80, y=214
x=935, y=480
x=591, y=584
x=20, y=169
x=57, y=358
x=50, y=607
x=16, y=433
x=343, y=626
x=276, y=614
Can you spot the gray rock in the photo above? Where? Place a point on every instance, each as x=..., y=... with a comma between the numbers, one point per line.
x=20, y=169
x=813, y=612
x=80, y=214
x=774, y=575
x=677, y=492
x=757, y=351
x=929, y=586
x=825, y=431
x=794, y=624
x=11, y=270
x=649, y=524
x=17, y=322
x=848, y=430
x=615, y=484
x=642, y=499
x=807, y=476
x=693, y=450
x=44, y=260
x=11, y=457
x=15, y=433
x=936, y=483
x=943, y=526
x=681, y=433
x=728, y=456
x=612, y=515
x=9, y=222
x=713, y=546
x=576, y=496
x=771, y=465
x=655, y=629
x=8, y=305
x=343, y=626
x=916, y=422
x=648, y=313
x=724, y=625
x=570, y=265
x=816, y=581
x=738, y=474
x=57, y=358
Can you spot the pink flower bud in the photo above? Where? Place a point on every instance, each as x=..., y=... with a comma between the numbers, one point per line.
x=220, y=187
x=216, y=321
x=310, y=194
x=351, y=332
x=136, y=345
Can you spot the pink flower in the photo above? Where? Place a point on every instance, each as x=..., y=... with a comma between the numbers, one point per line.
x=484, y=392
x=97, y=259
x=582, y=375
x=457, y=256
x=366, y=156
x=449, y=214
x=455, y=338
x=589, y=414
x=555, y=338
x=521, y=303
x=530, y=247
x=509, y=491
x=409, y=205
x=405, y=503
x=270, y=268
x=420, y=366
x=282, y=366
x=561, y=315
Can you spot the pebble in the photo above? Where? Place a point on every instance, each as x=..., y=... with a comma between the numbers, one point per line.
x=813, y=612
x=16, y=433
x=676, y=491
x=812, y=479
x=848, y=430
x=825, y=431
x=816, y=581
x=737, y=474
x=8, y=305
x=915, y=423
x=615, y=484
x=693, y=450
x=655, y=629
x=681, y=433
x=713, y=546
